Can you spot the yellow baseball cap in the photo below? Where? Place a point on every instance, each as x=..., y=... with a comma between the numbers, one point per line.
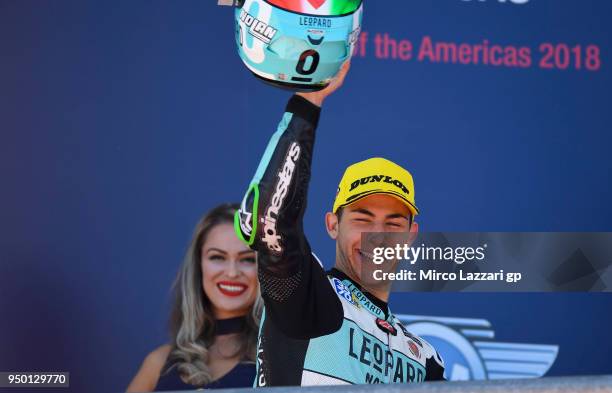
x=375, y=176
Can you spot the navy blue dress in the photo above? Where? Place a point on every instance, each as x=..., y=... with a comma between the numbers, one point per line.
x=241, y=376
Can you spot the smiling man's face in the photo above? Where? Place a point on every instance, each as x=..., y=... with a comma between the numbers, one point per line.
x=375, y=213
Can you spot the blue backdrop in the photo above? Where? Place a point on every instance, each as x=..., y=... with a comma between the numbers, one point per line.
x=122, y=122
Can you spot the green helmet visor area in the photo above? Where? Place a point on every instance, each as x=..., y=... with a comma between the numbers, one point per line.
x=318, y=7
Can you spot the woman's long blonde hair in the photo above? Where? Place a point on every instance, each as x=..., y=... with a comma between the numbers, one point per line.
x=192, y=323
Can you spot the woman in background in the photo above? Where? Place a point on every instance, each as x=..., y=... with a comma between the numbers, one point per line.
x=215, y=317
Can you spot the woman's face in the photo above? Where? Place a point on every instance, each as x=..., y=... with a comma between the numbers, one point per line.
x=229, y=273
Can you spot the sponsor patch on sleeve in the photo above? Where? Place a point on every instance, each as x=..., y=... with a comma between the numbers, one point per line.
x=343, y=291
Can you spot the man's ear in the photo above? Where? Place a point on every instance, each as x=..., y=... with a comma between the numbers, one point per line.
x=331, y=224
x=414, y=231
x=414, y=227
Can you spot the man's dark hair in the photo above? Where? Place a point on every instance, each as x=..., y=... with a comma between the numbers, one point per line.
x=339, y=213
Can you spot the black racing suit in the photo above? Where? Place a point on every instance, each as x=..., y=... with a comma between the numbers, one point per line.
x=318, y=328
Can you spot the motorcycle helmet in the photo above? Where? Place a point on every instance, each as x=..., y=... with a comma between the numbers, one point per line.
x=297, y=44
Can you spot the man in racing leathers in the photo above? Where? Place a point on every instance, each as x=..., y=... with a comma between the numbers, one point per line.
x=323, y=328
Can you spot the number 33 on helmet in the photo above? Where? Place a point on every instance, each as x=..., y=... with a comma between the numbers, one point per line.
x=297, y=44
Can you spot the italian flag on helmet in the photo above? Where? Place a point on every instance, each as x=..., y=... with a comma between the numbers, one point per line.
x=318, y=7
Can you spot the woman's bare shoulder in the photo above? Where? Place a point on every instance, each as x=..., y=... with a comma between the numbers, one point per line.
x=148, y=375
x=159, y=355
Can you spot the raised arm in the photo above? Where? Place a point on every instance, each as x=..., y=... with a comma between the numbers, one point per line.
x=297, y=295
